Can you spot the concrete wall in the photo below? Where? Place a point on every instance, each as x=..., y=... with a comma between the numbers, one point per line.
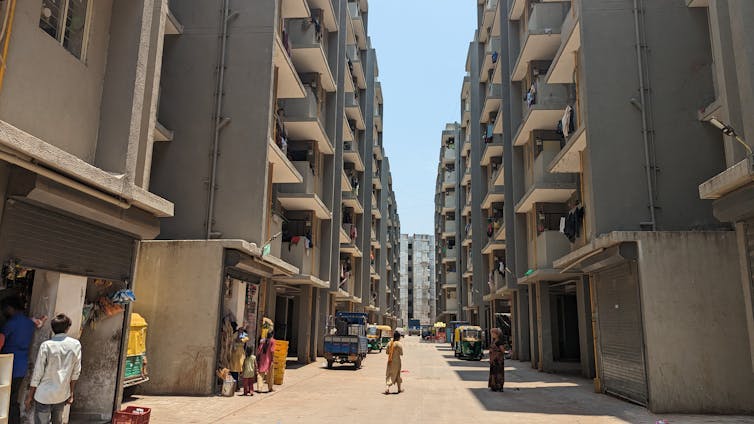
x=61, y=107
x=182, y=167
x=698, y=359
x=178, y=288
x=681, y=82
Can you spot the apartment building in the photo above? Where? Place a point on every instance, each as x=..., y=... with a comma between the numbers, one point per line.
x=418, y=290
x=276, y=140
x=587, y=145
x=78, y=117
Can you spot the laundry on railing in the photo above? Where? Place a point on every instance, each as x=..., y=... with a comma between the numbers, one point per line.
x=570, y=225
x=566, y=125
x=531, y=95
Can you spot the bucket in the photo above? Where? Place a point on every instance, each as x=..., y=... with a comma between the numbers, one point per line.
x=229, y=388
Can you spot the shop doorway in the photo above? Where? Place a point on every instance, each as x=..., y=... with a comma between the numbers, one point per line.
x=565, y=323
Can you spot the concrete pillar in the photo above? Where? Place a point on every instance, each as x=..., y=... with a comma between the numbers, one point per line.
x=304, y=325
x=533, y=326
x=55, y=293
x=586, y=339
x=523, y=346
x=544, y=326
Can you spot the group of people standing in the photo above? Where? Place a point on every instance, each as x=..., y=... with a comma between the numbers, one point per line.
x=247, y=366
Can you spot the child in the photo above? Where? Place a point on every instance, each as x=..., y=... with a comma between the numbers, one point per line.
x=249, y=372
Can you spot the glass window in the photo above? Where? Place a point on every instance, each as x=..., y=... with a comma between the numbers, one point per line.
x=67, y=22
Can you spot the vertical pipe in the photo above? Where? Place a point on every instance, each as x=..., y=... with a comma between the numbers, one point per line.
x=11, y=13
x=218, y=116
x=644, y=127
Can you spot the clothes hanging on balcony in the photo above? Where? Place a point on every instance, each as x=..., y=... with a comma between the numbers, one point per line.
x=531, y=95
x=573, y=223
x=566, y=124
x=490, y=230
x=495, y=56
x=354, y=233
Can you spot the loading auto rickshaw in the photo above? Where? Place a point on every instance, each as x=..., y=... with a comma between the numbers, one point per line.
x=468, y=342
x=386, y=335
x=373, y=338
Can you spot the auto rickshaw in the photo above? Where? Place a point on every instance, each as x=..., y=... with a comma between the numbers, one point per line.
x=468, y=342
x=386, y=335
x=373, y=338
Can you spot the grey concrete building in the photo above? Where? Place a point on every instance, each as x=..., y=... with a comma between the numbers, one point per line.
x=417, y=285
x=275, y=221
x=77, y=129
x=582, y=217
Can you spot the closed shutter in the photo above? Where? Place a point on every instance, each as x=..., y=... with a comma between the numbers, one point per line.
x=44, y=239
x=621, y=336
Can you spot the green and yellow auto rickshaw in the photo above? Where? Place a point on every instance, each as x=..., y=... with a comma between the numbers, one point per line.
x=468, y=342
x=386, y=335
x=373, y=338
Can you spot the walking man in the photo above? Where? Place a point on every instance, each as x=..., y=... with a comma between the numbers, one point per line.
x=16, y=338
x=56, y=371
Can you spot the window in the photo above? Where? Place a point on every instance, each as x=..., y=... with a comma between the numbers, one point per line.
x=67, y=22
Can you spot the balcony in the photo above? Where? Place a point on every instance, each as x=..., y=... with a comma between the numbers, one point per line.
x=378, y=116
x=354, y=57
x=358, y=24
x=303, y=123
x=451, y=278
x=309, y=50
x=352, y=155
x=304, y=196
x=548, y=247
x=490, y=7
x=292, y=9
x=307, y=261
x=345, y=182
x=351, y=249
x=545, y=112
x=493, y=149
x=493, y=245
x=466, y=180
x=351, y=200
x=451, y=305
x=450, y=229
x=344, y=236
x=449, y=254
x=563, y=67
x=353, y=111
x=495, y=194
x=544, y=187
x=491, y=57
x=492, y=102
x=450, y=180
x=283, y=170
x=449, y=204
x=568, y=160
x=449, y=155
x=289, y=85
x=541, y=38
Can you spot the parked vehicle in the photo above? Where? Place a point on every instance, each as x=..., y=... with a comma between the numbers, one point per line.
x=136, y=356
x=346, y=339
x=373, y=338
x=414, y=327
x=386, y=335
x=450, y=330
x=468, y=342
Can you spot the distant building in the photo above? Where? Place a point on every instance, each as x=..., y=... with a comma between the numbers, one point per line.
x=418, y=278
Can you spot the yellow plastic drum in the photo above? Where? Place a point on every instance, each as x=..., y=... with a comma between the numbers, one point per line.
x=137, y=335
x=279, y=358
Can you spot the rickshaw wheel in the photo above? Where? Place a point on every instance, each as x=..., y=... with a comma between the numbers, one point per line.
x=329, y=364
x=357, y=364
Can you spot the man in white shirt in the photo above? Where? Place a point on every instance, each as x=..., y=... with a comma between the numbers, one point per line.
x=56, y=371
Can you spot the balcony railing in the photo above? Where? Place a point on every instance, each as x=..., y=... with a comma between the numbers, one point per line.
x=550, y=246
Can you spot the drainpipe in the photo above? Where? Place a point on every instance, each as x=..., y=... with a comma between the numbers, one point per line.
x=644, y=126
x=10, y=12
x=220, y=121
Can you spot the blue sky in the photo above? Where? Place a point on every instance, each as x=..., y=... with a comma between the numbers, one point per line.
x=421, y=50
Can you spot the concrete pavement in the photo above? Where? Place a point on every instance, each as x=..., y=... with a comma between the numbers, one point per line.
x=438, y=389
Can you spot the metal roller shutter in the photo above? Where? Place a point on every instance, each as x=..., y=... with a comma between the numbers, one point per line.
x=749, y=225
x=45, y=239
x=621, y=335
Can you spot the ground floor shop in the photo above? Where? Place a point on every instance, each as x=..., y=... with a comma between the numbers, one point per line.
x=55, y=262
x=669, y=320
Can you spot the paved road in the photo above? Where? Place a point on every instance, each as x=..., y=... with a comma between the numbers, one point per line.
x=438, y=389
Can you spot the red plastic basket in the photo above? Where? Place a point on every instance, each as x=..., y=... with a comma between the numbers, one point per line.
x=130, y=415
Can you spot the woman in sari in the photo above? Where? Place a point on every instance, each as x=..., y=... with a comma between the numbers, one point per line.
x=393, y=371
x=497, y=361
x=265, y=368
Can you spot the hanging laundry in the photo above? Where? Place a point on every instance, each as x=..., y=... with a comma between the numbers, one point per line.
x=531, y=95
x=495, y=56
x=566, y=123
x=573, y=223
x=354, y=233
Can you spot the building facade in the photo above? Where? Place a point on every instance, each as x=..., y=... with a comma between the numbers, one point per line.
x=276, y=160
x=582, y=217
x=418, y=290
